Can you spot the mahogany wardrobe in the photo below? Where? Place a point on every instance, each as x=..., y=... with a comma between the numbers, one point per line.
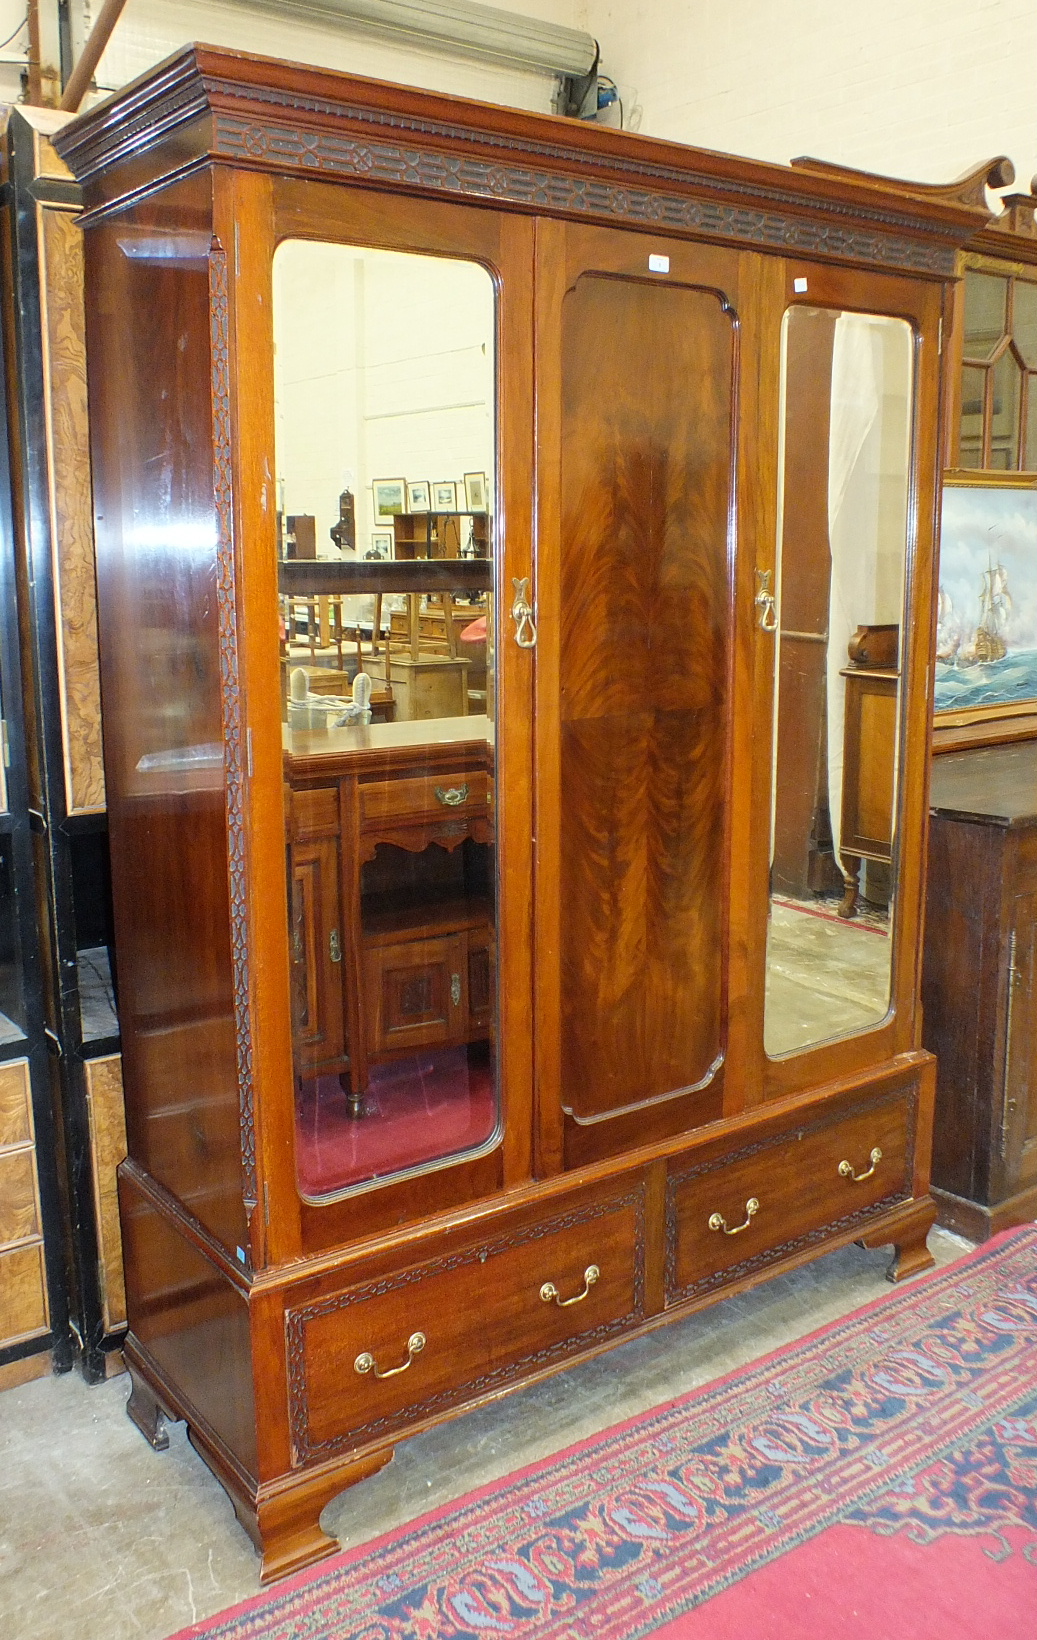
x=489, y=984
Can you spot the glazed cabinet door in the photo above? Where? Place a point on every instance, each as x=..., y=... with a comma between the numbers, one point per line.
x=389, y=699
x=638, y=345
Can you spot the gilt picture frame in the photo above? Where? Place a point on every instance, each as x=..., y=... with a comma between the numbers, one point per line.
x=986, y=644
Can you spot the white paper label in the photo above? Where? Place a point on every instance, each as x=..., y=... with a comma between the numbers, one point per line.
x=658, y=264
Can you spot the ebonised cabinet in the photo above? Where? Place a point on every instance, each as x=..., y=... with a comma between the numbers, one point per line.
x=665, y=1075
x=54, y=549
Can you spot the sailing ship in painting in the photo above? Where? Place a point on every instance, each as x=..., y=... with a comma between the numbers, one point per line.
x=986, y=637
x=986, y=642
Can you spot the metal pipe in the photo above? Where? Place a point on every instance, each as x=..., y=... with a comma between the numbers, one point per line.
x=464, y=25
x=93, y=51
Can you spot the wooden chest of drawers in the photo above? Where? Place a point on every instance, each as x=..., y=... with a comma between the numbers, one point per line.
x=979, y=986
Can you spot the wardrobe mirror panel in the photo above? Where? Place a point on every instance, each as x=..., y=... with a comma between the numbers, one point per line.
x=384, y=376
x=836, y=614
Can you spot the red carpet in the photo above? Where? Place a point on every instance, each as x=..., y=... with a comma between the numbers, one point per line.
x=415, y=1110
x=876, y=1481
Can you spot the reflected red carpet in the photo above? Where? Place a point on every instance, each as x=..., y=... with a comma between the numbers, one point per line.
x=415, y=1110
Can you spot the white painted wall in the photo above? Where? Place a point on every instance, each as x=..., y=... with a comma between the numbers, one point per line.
x=383, y=369
x=911, y=88
x=908, y=87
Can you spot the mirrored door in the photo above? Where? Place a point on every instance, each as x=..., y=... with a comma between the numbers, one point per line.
x=835, y=606
x=385, y=407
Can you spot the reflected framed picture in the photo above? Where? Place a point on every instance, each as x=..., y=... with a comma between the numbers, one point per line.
x=382, y=543
x=419, y=496
x=390, y=498
x=986, y=640
x=444, y=496
x=475, y=492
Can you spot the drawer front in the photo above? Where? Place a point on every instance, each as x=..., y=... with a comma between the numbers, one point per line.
x=315, y=813
x=460, y=794
x=813, y=1181
x=482, y=1318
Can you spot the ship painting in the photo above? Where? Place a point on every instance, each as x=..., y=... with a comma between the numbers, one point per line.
x=986, y=632
x=986, y=642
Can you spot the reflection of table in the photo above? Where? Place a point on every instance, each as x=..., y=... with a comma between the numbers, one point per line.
x=869, y=765
x=426, y=674
x=409, y=964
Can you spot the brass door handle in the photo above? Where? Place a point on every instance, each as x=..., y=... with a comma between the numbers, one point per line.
x=451, y=796
x=522, y=614
x=764, y=601
x=365, y=1362
x=549, y=1292
x=846, y=1168
x=718, y=1222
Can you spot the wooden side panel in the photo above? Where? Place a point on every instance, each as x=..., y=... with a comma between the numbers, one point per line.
x=148, y=307
x=104, y=1103
x=960, y=997
x=191, y=1321
x=646, y=468
x=64, y=344
x=1019, y=1121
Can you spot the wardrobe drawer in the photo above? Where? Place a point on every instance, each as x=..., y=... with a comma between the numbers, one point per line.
x=364, y=1360
x=461, y=793
x=729, y=1215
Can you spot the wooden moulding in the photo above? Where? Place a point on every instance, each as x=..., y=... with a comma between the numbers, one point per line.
x=258, y=114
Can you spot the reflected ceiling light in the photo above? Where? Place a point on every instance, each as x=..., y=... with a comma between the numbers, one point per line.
x=502, y=37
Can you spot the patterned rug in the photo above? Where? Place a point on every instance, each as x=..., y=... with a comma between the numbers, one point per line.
x=876, y=1480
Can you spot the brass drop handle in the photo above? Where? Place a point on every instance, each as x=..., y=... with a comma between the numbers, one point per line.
x=365, y=1362
x=549, y=1292
x=846, y=1168
x=764, y=601
x=451, y=796
x=718, y=1222
x=522, y=614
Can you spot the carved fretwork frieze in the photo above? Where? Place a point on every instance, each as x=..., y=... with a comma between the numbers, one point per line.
x=395, y=165
x=208, y=103
x=233, y=729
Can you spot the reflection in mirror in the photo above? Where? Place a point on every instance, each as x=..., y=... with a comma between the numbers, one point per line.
x=837, y=618
x=385, y=410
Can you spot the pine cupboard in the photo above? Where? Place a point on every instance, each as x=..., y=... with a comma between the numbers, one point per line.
x=457, y=1047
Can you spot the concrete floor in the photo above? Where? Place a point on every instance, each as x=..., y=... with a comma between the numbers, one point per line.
x=99, y=1535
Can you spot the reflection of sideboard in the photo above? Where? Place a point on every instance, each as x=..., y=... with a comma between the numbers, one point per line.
x=403, y=960
x=869, y=761
x=979, y=986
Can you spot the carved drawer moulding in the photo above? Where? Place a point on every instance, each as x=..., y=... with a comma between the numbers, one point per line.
x=297, y=1320
x=213, y=105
